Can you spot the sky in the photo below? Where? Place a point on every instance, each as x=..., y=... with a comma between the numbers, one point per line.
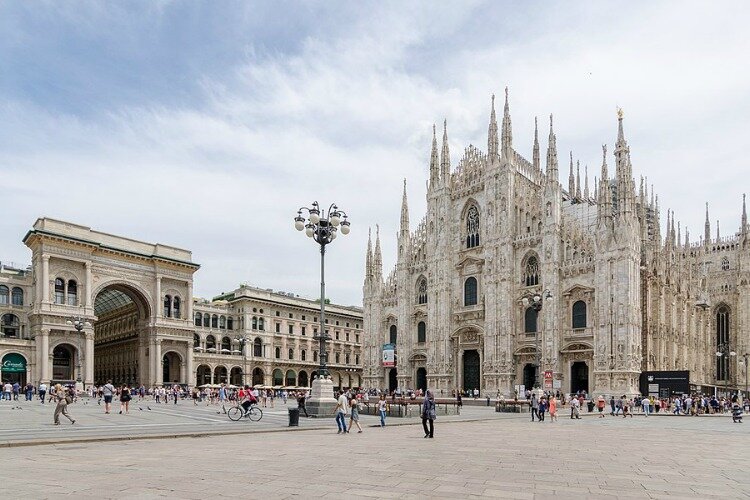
x=206, y=125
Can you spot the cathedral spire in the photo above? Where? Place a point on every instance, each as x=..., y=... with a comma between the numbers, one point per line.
x=552, y=174
x=679, y=234
x=578, y=180
x=687, y=238
x=368, y=259
x=586, y=193
x=707, y=229
x=445, y=156
x=744, y=228
x=571, y=179
x=378, y=257
x=604, y=198
x=718, y=235
x=507, y=137
x=657, y=221
x=623, y=171
x=404, y=213
x=535, y=154
x=492, y=141
x=434, y=161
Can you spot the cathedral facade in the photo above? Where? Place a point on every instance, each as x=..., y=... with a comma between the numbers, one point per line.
x=619, y=293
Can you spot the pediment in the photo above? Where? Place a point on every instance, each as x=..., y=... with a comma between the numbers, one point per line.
x=577, y=347
x=578, y=291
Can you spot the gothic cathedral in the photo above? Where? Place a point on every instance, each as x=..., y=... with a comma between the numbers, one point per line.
x=510, y=279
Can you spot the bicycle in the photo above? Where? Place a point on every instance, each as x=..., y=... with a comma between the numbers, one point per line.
x=236, y=413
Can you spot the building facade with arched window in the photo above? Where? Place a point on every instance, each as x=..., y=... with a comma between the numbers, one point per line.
x=629, y=294
x=147, y=328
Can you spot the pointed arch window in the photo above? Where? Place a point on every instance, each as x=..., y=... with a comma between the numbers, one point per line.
x=470, y=291
x=393, y=335
x=722, y=337
x=421, y=332
x=530, y=320
x=472, y=227
x=579, y=314
x=17, y=296
x=531, y=271
x=59, y=291
x=422, y=291
x=725, y=264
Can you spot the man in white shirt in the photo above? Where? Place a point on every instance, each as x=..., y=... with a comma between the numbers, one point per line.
x=42, y=391
x=108, y=391
x=342, y=406
x=7, y=389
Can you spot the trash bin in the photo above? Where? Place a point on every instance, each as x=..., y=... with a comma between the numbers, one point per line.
x=591, y=406
x=293, y=417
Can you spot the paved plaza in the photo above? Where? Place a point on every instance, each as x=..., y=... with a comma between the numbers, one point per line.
x=488, y=455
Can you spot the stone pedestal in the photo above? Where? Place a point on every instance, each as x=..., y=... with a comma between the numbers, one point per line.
x=322, y=402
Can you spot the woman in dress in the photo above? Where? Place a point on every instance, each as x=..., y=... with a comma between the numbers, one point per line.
x=125, y=398
x=354, y=415
x=553, y=409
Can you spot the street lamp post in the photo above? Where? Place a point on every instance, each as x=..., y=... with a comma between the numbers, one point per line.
x=79, y=324
x=535, y=301
x=724, y=349
x=744, y=362
x=243, y=341
x=322, y=227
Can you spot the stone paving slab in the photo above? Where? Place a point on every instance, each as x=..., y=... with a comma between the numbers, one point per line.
x=501, y=458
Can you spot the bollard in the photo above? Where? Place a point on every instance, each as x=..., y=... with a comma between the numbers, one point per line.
x=293, y=417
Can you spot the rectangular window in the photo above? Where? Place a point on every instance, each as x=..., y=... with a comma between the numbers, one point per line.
x=303, y=317
x=278, y=327
x=303, y=330
x=337, y=323
x=315, y=331
x=291, y=316
x=347, y=336
x=278, y=313
x=337, y=335
x=291, y=329
x=347, y=324
x=356, y=359
x=356, y=337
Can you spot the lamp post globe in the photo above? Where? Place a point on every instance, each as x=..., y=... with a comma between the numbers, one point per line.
x=323, y=227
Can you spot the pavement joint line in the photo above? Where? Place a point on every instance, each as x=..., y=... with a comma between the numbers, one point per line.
x=63, y=441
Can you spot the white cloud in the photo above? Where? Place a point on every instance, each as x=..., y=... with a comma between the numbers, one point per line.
x=349, y=114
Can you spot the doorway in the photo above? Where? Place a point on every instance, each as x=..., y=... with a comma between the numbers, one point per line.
x=529, y=376
x=471, y=370
x=392, y=380
x=422, y=379
x=579, y=377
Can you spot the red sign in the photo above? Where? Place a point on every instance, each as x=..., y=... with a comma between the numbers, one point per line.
x=548, y=379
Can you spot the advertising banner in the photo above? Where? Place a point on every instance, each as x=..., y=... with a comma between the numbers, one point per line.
x=389, y=355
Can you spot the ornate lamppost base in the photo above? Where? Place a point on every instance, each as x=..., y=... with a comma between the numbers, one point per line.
x=322, y=403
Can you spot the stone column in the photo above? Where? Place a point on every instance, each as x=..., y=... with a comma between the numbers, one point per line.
x=44, y=356
x=183, y=373
x=87, y=292
x=189, y=302
x=159, y=299
x=190, y=378
x=159, y=375
x=89, y=353
x=45, y=279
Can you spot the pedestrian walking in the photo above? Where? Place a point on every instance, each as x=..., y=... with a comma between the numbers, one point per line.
x=301, y=403
x=541, y=408
x=646, y=405
x=600, y=403
x=7, y=391
x=63, y=399
x=29, y=390
x=382, y=405
x=575, y=408
x=342, y=405
x=553, y=409
x=428, y=415
x=354, y=415
x=125, y=398
x=107, y=392
x=42, y=391
x=16, y=390
x=534, y=406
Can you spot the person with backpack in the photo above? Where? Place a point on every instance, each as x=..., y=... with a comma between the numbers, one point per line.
x=107, y=392
x=428, y=415
x=247, y=399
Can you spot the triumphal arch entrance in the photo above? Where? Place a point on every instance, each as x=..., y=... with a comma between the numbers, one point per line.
x=137, y=298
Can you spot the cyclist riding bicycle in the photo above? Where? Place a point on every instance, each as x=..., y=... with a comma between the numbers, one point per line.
x=247, y=399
